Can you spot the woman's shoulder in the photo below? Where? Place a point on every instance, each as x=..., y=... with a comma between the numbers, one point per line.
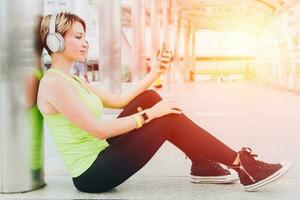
x=50, y=79
x=46, y=91
x=51, y=86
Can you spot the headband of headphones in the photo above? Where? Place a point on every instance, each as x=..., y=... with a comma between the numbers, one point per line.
x=52, y=24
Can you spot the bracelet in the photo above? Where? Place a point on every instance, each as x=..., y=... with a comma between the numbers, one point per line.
x=138, y=121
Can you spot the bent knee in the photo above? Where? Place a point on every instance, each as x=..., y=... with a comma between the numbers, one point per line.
x=151, y=94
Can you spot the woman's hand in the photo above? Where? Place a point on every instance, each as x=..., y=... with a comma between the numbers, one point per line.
x=163, y=108
x=162, y=62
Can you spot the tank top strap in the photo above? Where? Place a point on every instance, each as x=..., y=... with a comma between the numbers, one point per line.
x=68, y=78
x=85, y=85
x=72, y=79
x=56, y=71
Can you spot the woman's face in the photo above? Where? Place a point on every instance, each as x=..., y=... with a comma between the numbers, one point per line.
x=76, y=45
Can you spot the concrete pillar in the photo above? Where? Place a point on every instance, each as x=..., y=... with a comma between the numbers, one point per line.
x=155, y=37
x=21, y=123
x=277, y=65
x=138, y=68
x=166, y=37
x=193, y=50
x=186, y=60
x=110, y=44
x=291, y=84
x=166, y=12
x=154, y=27
x=175, y=70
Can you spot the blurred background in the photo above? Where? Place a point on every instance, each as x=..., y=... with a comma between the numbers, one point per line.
x=235, y=69
x=211, y=40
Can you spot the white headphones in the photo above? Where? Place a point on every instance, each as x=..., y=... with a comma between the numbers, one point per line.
x=55, y=41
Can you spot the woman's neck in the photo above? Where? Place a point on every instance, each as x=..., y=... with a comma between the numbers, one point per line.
x=61, y=64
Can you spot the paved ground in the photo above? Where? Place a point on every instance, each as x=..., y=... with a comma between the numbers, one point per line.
x=240, y=114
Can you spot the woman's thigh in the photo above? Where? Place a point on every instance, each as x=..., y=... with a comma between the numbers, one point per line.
x=123, y=158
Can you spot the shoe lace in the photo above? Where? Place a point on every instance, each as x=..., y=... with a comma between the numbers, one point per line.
x=246, y=150
x=240, y=167
x=249, y=150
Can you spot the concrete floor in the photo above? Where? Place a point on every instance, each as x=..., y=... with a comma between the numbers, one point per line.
x=240, y=114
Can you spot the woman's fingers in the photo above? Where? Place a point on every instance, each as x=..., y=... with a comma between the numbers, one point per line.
x=164, y=65
x=165, y=59
x=175, y=111
x=158, y=52
x=178, y=109
x=166, y=53
x=174, y=107
x=166, y=56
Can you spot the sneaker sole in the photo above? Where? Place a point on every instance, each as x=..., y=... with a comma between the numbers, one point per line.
x=214, y=179
x=285, y=168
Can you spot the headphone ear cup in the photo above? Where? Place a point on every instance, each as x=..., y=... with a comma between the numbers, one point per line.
x=55, y=42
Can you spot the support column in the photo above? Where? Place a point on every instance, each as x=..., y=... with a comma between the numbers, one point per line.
x=166, y=37
x=110, y=45
x=166, y=11
x=277, y=65
x=292, y=74
x=186, y=60
x=21, y=123
x=175, y=70
x=155, y=37
x=138, y=68
x=154, y=27
x=193, y=44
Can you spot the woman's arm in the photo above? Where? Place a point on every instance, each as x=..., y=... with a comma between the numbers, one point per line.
x=162, y=65
x=65, y=100
x=120, y=101
x=62, y=97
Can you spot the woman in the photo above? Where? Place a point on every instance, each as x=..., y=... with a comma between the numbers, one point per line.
x=81, y=68
x=102, y=155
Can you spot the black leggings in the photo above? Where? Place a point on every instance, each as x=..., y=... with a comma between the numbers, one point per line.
x=129, y=152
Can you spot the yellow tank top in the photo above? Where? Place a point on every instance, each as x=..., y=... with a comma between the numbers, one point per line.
x=78, y=148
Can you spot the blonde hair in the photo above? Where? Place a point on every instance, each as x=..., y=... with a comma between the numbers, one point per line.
x=64, y=21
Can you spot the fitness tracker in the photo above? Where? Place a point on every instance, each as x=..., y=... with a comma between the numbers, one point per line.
x=145, y=117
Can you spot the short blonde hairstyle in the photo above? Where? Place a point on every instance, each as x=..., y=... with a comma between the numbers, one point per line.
x=64, y=21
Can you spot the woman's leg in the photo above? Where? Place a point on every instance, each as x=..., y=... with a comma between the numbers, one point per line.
x=146, y=100
x=202, y=170
x=130, y=152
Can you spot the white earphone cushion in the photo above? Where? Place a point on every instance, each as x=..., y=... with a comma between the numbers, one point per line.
x=55, y=42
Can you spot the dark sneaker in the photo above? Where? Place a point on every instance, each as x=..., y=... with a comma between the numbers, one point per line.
x=254, y=173
x=211, y=172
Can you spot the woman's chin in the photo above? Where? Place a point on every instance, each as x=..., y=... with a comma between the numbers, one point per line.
x=81, y=59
